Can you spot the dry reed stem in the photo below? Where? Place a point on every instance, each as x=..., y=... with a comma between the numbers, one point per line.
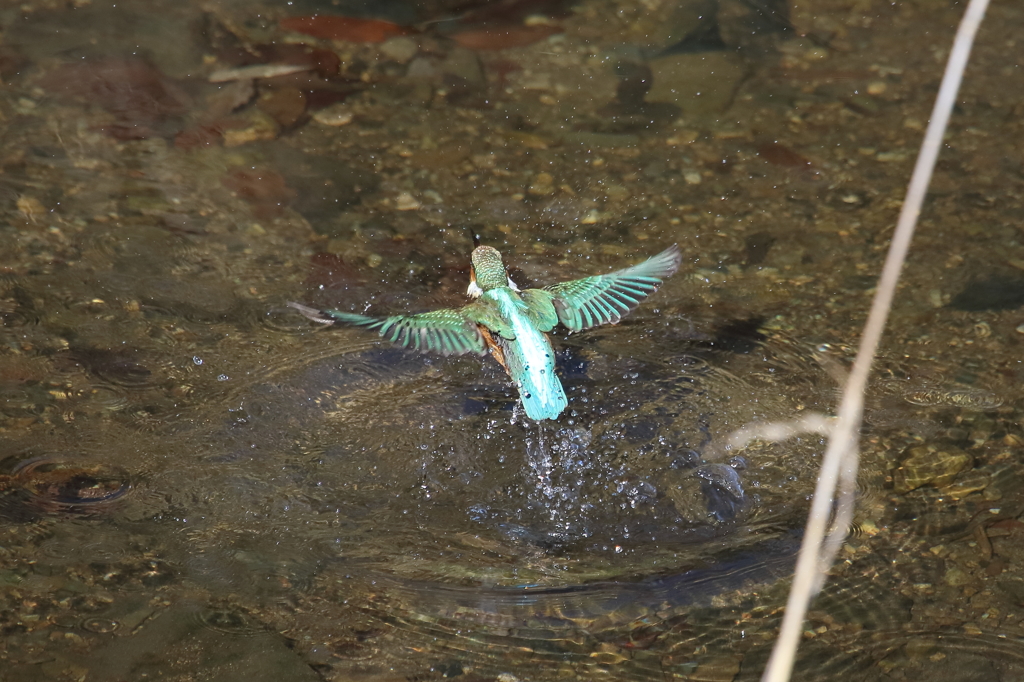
x=839, y=466
x=812, y=422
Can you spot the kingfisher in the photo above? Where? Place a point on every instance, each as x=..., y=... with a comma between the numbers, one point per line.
x=513, y=324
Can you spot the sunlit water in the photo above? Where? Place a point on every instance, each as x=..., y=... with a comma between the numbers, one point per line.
x=197, y=483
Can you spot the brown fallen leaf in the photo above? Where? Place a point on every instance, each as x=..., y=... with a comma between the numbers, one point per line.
x=353, y=29
x=781, y=155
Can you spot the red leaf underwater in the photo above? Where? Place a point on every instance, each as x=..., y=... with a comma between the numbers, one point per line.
x=333, y=27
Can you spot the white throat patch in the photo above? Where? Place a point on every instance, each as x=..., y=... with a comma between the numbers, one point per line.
x=474, y=290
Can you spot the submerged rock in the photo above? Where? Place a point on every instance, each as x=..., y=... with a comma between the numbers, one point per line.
x=700, y=84
x=929, y=465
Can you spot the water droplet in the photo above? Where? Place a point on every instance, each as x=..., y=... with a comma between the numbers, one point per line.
x=100, y=625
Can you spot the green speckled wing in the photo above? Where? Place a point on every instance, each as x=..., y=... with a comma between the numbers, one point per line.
x=447, y=331
x=588, y=302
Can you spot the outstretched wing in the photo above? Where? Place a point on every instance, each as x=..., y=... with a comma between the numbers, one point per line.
x=447, y=331
x=588, y=302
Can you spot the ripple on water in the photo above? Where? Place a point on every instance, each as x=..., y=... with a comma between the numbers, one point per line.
x=596, y=623
x=231, y=568
x=606, y=527
x=940, y=654
x=54, y=485
x=100, y=626
x=99, y=399
x=228, y=620
x=382, y=436
x=64, y=545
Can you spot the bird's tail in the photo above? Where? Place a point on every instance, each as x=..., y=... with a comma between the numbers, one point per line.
x=539, y=388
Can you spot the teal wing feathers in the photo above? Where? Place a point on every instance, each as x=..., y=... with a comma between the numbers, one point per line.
x=447, y=331
x=590, y=301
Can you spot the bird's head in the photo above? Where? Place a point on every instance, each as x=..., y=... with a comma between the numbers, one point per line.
x=488, y=270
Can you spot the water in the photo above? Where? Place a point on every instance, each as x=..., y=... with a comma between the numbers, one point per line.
x=196, y=482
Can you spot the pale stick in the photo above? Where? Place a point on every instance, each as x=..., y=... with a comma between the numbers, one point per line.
x=840, y=462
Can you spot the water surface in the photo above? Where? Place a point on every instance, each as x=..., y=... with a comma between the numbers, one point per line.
x=195, y=482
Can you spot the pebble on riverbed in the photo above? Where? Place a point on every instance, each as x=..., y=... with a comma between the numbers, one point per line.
x=929, y=465
x=700, y=84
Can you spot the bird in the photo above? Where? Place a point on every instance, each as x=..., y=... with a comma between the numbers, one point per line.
x=513, y=323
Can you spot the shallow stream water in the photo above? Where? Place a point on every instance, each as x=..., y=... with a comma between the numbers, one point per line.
x=198, y=483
